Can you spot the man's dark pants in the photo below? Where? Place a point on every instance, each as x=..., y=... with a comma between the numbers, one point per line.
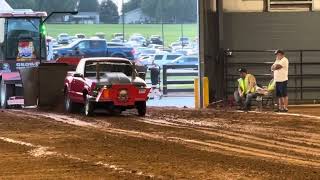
x=282, y=89
x=247, y=99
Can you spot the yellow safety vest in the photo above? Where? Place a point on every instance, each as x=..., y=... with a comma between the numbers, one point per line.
x=243, y=84
x=271, y=86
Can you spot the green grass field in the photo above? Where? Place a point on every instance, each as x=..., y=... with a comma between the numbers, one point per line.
x=171, y=31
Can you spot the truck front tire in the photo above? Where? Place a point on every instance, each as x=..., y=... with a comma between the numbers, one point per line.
x=142, y=108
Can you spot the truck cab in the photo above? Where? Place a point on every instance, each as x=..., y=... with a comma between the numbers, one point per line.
x=22, y=45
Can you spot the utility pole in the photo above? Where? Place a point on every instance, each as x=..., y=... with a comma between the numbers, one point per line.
x=123, y=14
x=162, y=25
x=201, y=34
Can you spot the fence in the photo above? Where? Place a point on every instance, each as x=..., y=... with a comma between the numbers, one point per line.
x=178, y=71
x=304, y=73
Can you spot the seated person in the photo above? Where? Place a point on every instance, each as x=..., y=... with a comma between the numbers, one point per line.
x=246, y=89
x=266, y=90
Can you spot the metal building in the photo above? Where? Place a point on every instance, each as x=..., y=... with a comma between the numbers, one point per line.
x=242, y=33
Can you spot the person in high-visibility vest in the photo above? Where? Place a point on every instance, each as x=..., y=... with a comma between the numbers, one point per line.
x=246, y=89
x=266, y=90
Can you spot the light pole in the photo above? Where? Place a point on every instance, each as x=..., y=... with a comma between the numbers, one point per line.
x=123, y=14
x=182, y=33
x=162, y=25
x=42, y=26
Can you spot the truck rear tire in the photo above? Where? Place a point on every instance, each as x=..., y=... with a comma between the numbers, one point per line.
x=6, y=91
x=142, y=108
x=88, y=107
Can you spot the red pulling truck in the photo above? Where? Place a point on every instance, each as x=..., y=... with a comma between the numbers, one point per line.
x=105, y=83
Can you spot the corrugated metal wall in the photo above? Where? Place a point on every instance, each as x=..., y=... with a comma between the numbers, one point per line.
x=246, y=31
x=267, y=31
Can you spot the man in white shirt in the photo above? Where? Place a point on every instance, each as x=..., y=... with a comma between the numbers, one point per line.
x=280, y=69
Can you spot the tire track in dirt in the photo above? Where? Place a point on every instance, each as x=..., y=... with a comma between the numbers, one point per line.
x=203, y=127
x=42, y=151
x=252, y=152
x=212, y=146
x=238, y=137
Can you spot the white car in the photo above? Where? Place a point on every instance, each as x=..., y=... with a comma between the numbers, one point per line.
x=155, y=46
x=162, y=59
x=184, y=51
x=63, y=38
x=138, y=40
x=80, y=36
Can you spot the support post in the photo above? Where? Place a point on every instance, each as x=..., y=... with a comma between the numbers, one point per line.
x=202, y=10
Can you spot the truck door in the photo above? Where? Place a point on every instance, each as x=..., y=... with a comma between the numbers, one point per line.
x=82, y=49
x=98, y=48
x=76, y=88
x=77, y=84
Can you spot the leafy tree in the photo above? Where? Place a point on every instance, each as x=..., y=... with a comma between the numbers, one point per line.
x=88, y=5
x=21, y=4
x=171, y=11
x=131, y=5
x=109, y=12
x=44, y=5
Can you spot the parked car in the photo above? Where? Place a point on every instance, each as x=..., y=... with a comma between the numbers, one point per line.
x=100, y=35
x=147, y=51
x=63, y=38
x=175, y=45
x=155, y=46
x=116, y=40
x=184, y=41
x=105, y=83
x=146, y=59
x=72, y=38
x=185, y=51
x=186, y=60
x=138, y=40
x=165, y=59
x=80, y=36
x=155, y=39
x=94, y=48
x=118, y=35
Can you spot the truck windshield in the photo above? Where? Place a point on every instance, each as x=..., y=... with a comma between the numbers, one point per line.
x=23, y=38
x=107, y=67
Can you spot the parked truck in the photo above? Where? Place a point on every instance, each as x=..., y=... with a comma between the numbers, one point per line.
x=94, y=48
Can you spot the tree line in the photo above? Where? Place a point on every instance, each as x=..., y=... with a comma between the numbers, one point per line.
x=107, y=9
x=168, y=11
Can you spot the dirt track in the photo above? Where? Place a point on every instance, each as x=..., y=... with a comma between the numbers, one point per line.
x=167, y=144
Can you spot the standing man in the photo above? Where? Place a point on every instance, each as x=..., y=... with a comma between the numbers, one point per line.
x=246, y=89
x=280, y=69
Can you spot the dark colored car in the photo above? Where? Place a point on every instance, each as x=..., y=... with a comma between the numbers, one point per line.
x=93, y=48
x=155, y=40
x=107, y=83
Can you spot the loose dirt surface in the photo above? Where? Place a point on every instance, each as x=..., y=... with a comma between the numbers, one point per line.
x=167, y=144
